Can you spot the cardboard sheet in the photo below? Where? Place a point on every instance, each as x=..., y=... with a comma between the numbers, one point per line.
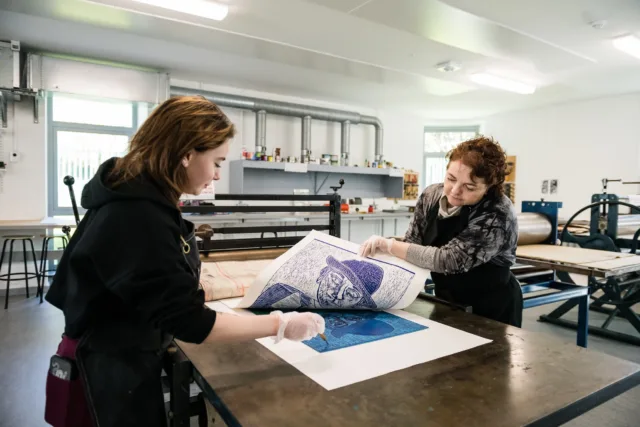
x=229, y=279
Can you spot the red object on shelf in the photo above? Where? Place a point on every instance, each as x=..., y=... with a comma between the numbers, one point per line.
x=344, y=208
x=370, y=209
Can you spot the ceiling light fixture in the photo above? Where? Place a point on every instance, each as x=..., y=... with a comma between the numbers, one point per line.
x=628, y=44
x=203, y=8
x=502, y=83
x=448, y=67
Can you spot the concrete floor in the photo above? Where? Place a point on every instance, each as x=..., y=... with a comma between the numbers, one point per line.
x=30, y=332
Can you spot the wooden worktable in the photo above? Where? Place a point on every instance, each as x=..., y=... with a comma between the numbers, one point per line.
x=36, y=224
x=520, y=379
x=56, y=222
x=591, y=262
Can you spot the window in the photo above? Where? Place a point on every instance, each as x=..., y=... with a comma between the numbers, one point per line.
x=83, y=133
x=437, y=143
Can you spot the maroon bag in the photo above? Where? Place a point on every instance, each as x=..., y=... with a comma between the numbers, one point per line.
x=66, y=404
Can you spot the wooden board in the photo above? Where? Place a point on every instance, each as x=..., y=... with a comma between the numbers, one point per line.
x=578, y=260
x=616, y=264
x=244, y=255
x=502, y=384
x=568, y=255
x=37, y=223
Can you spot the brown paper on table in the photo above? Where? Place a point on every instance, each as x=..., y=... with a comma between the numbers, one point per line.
x=229, y=279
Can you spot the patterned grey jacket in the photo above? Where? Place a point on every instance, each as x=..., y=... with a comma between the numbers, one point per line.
x=490, y=236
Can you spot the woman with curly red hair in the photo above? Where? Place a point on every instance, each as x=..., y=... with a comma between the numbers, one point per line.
x=465, y=232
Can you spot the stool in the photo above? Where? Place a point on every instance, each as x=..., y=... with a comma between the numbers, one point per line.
x=44, y=272
x=26, y=275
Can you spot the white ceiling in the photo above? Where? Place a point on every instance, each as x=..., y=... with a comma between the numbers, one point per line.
x=376, y=53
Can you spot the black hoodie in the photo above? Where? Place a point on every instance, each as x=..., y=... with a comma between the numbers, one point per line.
x=124, y=270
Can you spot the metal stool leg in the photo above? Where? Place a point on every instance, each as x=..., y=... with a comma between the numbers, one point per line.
x=6, y=296
x=35, y=265
x=42, y=263
x=26, y=272
x=4, y=247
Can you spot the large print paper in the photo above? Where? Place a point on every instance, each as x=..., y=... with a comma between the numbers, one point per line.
x=365, y=344
x=324, y=272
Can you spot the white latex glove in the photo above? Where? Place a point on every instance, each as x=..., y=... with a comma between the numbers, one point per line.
x=375, y=244
x=296, y=326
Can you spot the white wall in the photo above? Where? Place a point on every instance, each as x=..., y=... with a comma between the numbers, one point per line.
x=577, y=143
x=23, y=193
x=25, y=188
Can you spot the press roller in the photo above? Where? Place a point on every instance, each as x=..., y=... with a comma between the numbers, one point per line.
x=533, y=228
x=607, y=229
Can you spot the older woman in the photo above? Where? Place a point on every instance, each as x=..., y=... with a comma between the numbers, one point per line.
x=465, y=231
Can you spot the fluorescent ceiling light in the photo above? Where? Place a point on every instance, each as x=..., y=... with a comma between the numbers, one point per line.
x=628, y=44
x=203, y=8
x=502, y=83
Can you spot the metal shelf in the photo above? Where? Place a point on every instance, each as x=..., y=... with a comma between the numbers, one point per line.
x=273, y=178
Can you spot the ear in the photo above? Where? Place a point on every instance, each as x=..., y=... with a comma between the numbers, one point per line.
x=186, y=160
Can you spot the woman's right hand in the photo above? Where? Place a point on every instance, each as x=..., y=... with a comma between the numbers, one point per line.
x=296, y=326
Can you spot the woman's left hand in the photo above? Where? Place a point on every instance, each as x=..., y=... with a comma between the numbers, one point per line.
x=375, y=244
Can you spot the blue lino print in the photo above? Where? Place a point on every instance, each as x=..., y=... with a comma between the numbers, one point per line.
x=348, y=328
x=323, y=276
x=347, y=284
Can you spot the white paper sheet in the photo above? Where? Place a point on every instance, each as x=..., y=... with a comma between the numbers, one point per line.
x=325, y=272
x=360, y=362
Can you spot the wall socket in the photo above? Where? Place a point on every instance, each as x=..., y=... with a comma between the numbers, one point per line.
x=15, y=157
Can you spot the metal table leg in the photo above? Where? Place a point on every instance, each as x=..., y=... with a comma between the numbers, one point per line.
x=583, y=321
x=179, y=369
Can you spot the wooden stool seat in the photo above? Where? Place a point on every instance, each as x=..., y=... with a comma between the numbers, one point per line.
x=18, y=237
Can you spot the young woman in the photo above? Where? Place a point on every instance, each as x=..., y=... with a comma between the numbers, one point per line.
x=128, y=282
x=465, y=231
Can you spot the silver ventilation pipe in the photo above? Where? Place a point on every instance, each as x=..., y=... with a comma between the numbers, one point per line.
x=377, y=124
x=306, y=139
x=289, y=109
x=345, y=143
x=261, y=132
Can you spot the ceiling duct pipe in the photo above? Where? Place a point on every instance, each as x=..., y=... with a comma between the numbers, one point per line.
x=261, y=132
x=306, y=139
x=377, y=124
x=289, y=109
x=345, y=142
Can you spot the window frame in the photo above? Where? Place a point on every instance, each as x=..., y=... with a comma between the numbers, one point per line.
x=53, y=209
x=440, y=155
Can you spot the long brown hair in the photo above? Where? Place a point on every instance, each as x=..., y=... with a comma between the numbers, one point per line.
x=486, y=159
x=174, y=128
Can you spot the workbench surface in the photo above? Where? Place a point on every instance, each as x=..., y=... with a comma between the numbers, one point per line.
x=56, y=222
x=520, y=379
x=591, y=262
